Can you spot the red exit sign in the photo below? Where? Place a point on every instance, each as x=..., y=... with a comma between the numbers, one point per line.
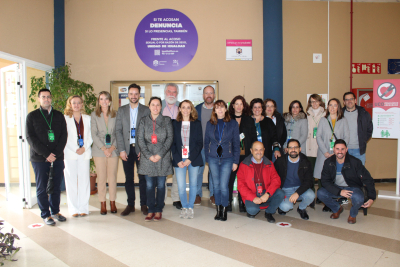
x=366, y=68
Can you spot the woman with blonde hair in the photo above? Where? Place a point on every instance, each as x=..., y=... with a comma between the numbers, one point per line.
x=104, y=150
x=186, y=153
x=77, y=155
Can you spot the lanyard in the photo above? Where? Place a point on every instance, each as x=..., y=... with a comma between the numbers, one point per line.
x=185, y=134
x=154, y=125
x=332, y=129
x=220, y=133
x=172, y=113
x=49, y=124
x=105, y=123
x=292, y=122
x=78, y=125
x=257, y=174
x=134, y=117
x=316, y=123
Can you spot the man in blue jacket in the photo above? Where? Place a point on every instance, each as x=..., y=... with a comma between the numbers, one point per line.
x=204, y=111
x=360, y=125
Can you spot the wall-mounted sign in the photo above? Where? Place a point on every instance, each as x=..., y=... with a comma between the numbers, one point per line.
x=366, y=68
x=239, y=50
x=386, y=110
x=393, y=66
x=166, y=40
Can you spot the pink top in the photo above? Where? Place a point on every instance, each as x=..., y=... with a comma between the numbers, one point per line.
x=170, y=112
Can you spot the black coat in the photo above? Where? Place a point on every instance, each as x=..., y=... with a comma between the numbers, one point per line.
x=281, y=131
x=354, y=173
x=37, y=135
x=248, y=128
x=195, y=143
x=364, y=128
x=305, y=172
x=268, y=135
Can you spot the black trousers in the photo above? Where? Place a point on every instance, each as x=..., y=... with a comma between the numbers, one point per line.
x=45, y=201
x=129, y=166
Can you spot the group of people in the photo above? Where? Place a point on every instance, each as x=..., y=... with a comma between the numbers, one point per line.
x=275, y=158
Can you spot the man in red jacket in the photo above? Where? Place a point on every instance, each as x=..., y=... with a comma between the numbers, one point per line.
x=258, y=183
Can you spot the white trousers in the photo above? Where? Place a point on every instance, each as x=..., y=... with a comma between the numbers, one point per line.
x=77, y=184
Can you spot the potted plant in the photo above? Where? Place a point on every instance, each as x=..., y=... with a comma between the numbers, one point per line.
x=63, y=86
x=7, y=249
x=93, y=177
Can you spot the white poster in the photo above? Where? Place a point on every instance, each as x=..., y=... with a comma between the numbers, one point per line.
x=239, y=49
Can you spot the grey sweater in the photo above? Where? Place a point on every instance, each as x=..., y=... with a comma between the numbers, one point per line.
x=297, y=129
x=164, y=132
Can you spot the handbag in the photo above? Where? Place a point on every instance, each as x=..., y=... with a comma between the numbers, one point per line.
x=50, y=183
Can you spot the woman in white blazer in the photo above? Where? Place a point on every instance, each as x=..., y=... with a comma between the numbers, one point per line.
x=77, y=155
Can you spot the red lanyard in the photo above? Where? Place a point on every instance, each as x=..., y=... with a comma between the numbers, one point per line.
x=255, y=172
x=185, y=134
x=154, y=125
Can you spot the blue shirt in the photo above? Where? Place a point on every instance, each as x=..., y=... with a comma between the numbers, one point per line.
x=133, y=121
x=292, y=176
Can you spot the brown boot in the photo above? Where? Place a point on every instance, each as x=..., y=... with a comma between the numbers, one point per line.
x=144, y=209
x=113, y=207
x=103, y=210
x=128, y=210
x=337, y=214
x=351, y=220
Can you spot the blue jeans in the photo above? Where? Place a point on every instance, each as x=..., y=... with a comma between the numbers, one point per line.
x=155, y=201
x=200, y=178
x=306, y=198
x=45, y=201
x=181, y=179
x=356, y=153
x=272, y=203
x=357, y=199
x=221, y=169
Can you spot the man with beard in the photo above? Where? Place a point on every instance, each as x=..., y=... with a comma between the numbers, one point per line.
x=296, y=179
x=170, y=108
x=204, y=111
x=258, y=183
x=344, y=175
x=128, y=119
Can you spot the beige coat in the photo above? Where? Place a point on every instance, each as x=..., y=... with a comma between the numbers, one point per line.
x=313, y=121
x=99, y=131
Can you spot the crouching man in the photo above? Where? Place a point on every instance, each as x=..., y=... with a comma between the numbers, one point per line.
x=344, y=175
x=296, y=179
x=258, y=183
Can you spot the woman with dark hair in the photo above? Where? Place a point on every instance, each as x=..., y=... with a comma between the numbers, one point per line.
x=186, y=152
x=222, y=150
x=330, y=128
x=266, y=129
x=272, y=113
x=155, y=136
x=296, y=124
x=239, y=109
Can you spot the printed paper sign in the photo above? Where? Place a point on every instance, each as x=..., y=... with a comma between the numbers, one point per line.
x=239, y=49
x=366, y=68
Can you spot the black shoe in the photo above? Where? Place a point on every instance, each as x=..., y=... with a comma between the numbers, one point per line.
x=218, y=215
x=281, y=212
x=49, y=221
x=303, y=214
x=250, y=216
x=224, y=214
x=318, y=201
x=242, y=207
x=59, y=217
x=269, y=217
x=177, y=205
x=312, y=205
x=326, y=209
x=229, y=208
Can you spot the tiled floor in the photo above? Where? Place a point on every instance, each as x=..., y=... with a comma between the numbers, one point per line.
x=113, y=240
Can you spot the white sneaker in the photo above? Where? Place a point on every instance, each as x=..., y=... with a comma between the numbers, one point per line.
x=190, y=214
x=183, y=214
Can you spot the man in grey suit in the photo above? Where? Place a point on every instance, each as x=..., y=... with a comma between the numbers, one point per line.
x=170, y=108
x=128, y=119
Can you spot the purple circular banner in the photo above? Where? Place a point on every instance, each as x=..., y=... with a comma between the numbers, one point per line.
x=166, y=40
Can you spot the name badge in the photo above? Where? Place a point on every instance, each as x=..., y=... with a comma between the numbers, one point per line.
x=108, y=139
x=332, y=144
x=133, y=132
x=80, y=142
x=241, y=136
x=288, y=138
x=259, y=138
x=259, y=189
x=314, y=135
x=154, y=139
x=185, y=152
x=50, y=135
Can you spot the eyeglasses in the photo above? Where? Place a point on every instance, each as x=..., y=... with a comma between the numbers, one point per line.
x=349, y=99
x=293, y=148
x=313, y=102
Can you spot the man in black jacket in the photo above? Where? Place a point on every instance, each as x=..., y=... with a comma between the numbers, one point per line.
x=46, y=133
x=344, y=176
x=360, y=125
x=296, y=179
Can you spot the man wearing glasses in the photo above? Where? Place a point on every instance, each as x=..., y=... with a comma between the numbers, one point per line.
x=296, y=179
x=360, y=125
x=46, y=133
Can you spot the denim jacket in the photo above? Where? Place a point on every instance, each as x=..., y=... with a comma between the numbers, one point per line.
x=230, y=141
